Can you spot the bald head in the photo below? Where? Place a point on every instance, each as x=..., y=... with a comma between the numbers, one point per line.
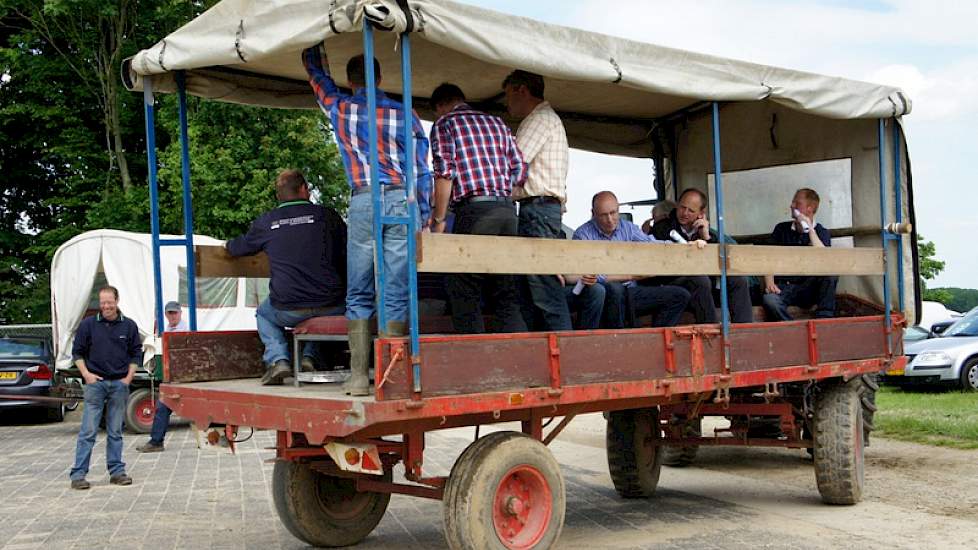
x=604, y=211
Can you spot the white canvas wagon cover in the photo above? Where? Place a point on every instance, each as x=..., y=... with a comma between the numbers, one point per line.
x=248, y=51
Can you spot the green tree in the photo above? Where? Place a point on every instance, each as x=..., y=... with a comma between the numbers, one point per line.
x=930, y=267
x=63, y=140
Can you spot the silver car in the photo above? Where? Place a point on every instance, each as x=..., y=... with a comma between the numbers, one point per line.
x=951, y=358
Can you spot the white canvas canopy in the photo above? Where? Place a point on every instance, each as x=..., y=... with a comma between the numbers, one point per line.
x=126, y=261
x=608, y=90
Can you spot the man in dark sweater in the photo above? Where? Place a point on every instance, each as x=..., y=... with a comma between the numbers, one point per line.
x=306, y=248
x=689, y=220
x=781, y=292
x=107, y=349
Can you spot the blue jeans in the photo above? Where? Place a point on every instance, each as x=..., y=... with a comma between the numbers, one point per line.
x=271, y=328
x=97, y=395
x=161, y=421
x=361, y=294
x=544, y=293
x=589, y=305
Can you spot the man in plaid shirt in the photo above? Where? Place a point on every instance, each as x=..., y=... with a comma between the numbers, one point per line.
x=476, y=164
x=350, y=120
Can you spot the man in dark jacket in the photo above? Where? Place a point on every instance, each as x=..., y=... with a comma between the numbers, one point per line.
x=107, y=349
x=802, y=230
x=689, y=220
x=306, y=248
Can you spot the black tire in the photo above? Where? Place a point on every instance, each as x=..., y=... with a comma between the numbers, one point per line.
x=56, y=414
x=870, y=384
x=504, y=467
x=838, y=426
x=969, y=375
x=325, y=510
x=680, y=457
x=77, y=386
x=634, y=460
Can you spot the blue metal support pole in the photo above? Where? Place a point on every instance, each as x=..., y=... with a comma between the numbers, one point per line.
x=188, y=209
x=718, y=190
x=413, y=214
x=898, y=199
x=154, y=200
x=376, y=194
x=884, y=239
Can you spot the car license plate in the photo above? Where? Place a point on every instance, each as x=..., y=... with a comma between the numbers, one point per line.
x=8, y=375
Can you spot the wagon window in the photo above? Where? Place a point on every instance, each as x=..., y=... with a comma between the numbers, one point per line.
x=212, y=292
x=256, y=290
x=756, y=200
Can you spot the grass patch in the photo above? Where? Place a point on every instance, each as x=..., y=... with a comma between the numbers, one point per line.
x=947, y=419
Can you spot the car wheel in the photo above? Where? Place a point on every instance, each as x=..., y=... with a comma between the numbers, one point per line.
x=969, y=375
x=57, y=414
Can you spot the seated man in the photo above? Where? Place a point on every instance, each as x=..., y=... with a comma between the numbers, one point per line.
x=585, y=297
x=666, y=303
x=660, y=212
x=690, y=221
x=306, y=248
x=781, y=292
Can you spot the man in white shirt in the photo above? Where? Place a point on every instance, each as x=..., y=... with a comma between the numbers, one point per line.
x=161, y=419
x=543, y=142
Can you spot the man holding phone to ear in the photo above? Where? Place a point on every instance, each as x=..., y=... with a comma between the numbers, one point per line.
x=688, y=221
x=804, y=291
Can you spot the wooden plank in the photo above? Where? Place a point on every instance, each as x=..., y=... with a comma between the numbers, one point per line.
x=803, y=260
x=214, y=261
x=444, y=253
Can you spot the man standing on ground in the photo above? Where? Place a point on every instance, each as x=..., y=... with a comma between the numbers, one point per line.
x=106, y=350
x=476, y=164
x=625, y=300
x=804, y=291
x=689, y=219
x=351, y=123
x=306, y=248
x=161, y=418
x=543, y=142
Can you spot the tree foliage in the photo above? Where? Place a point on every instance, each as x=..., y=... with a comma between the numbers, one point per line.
x=69, y=131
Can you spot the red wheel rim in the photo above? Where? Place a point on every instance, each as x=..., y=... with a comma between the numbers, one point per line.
x=145, y=410
x=522, y=507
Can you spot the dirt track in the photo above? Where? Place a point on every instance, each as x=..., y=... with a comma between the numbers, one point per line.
x=915, y=495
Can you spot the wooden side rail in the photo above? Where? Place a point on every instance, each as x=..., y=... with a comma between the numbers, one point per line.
x=444, y=253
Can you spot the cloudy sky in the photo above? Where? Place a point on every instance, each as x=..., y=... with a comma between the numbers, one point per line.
x=927, y=48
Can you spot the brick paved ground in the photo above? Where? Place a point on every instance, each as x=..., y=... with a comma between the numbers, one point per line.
x=183, y=498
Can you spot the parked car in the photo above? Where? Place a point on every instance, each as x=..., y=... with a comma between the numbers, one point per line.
x=950, y=359
x=25, y=371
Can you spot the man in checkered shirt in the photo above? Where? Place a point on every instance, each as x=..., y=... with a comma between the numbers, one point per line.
x=476, y=164
x=350, y=120
x=543, y=141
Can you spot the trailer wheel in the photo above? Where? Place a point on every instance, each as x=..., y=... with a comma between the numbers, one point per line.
x=324, y=510
x=838, y=426
x=634, y=459
x=505, y=492
x=140, y=409
x=680, y=457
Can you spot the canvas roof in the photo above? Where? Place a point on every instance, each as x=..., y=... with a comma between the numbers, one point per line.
x=609, y=91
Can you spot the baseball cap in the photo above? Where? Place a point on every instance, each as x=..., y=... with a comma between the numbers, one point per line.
x=172, y=306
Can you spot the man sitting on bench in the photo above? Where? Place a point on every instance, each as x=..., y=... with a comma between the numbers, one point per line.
x=665, y=303
x=782, y=292
x=306, y=248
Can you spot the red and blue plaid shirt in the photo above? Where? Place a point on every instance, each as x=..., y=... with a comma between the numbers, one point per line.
x=351, y=123
x=477, y=153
